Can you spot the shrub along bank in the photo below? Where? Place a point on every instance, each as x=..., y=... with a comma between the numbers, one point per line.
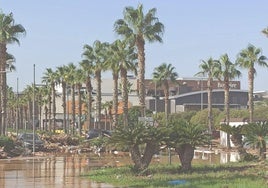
x=232, y=175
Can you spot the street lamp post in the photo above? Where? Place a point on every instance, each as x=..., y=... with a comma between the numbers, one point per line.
x=201, y=93
x=66, y=116
x=17, y=108
x=33, y=109
x=155, y=99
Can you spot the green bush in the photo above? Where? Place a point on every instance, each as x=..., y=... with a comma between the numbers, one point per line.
x=7, y=143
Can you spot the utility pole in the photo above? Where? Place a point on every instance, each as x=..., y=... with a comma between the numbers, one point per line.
x=33, y=109
x=17, y=106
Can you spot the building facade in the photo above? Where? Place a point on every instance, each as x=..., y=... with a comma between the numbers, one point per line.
x=185, y=94
x=191, y=94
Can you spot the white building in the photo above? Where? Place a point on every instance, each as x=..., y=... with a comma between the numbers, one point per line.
x=233, y=122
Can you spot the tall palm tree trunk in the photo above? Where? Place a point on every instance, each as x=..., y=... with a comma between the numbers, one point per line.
x=98, y=106
x=64, y=106
x=89, y=107
x=250, y=93
x=40, y=116
x=166, y=91
x=54, y=107
x=4, y=111
x=25, y=117
x=20, y=119
x=125, y=96
x=1, y=107
x=141, y=73
x=115, y=101
x=210, y=120
x=46, y=118
x=2, y=86
x=30, y=112
x=49, y=112
x=227, y=108
x=79, y=110
x=73, y=108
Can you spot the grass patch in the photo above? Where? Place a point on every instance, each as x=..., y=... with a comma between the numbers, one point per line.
x=232, y=175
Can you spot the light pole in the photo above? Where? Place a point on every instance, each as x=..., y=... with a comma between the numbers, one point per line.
x=33, y=109
x=17, y=106
x=67, y=125
x=155, y=99
x=201, y=93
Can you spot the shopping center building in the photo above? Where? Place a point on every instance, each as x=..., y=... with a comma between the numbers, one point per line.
x=185, y=94
x=192, y=94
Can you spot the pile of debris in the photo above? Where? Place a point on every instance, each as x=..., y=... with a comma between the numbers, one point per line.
x=3, y=154
x=9, y=153
x=59, y=142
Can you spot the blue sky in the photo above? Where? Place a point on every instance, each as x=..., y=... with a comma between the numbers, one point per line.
x=195, y=30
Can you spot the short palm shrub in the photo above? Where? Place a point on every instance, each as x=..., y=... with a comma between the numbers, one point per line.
x=7, y=143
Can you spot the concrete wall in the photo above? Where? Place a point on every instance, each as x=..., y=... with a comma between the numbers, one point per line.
x=223, y=135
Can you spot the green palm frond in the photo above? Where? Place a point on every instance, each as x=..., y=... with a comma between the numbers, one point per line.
x=256, y=134
x=183, y=132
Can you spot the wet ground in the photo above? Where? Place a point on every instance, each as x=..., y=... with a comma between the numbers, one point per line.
x=48, y=172
x=66, y=170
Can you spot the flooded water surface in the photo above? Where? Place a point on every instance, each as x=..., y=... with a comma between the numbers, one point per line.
x=66, y=170
x=44, y=172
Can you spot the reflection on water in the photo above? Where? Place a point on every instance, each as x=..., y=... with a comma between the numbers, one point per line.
x=215, y=157
x=61, y=171
x=229, y=157
x=64, y=170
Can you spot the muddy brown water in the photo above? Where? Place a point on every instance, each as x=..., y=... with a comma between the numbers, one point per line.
x=66, y=170
x=52, y=171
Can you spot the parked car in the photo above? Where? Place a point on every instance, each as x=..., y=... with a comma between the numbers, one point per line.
x=26, y=139
x=94, y=133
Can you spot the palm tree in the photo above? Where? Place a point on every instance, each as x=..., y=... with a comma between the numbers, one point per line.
x=247, y=59
x=107, y=106
x=123, y=60
x=10, y=59
x=140, y=139
x=87, y=67
x=28, y=96
x=9, y=33
x=256, y=135
x=42, y=96
x=50, y=79
x=98, y=55
x=226, y=71
x=208, y=69
x=79, y=79
x=70, y=80
x=24, y=109
x=137, y=27
x=113, y=65
x=184, y=137
x=11, y=108
x=61, y=73
x=10, y=63
x=163, y=75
